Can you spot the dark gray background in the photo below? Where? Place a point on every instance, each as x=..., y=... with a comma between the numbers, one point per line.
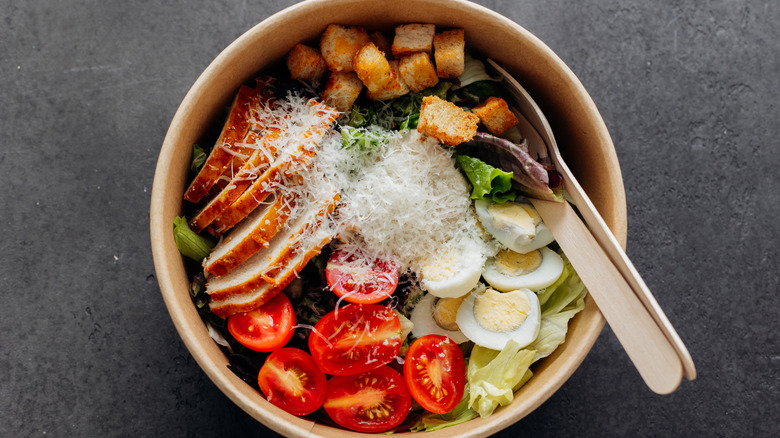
x=87, y=89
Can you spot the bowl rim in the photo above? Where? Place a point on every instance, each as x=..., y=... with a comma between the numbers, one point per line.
x=192, y=330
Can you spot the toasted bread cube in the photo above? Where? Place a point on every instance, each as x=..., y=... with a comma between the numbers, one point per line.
x=448, y=52
x=339, y=44
x=418, y=71
x=495, y=114
x=342, y=89
x=305, y=63
x=446, y=122
x=382, y=42
x=372, y=68
x=395, y=88
x=413, y=38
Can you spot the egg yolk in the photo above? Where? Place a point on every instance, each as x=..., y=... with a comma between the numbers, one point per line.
x=514, y=214
x=445, y=310
x=509, y=262
x=501, y=312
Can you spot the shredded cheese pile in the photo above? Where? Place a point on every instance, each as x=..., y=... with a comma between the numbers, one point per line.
x=403, y=200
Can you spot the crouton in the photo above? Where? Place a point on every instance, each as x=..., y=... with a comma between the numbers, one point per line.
x=372, y=68
x=342, y=90
x=339, y=44
x=418, y=72
x=305, y=63
x=413, y=38
x=495, y=114
x=446, y=122
x=382, y=42
x=448, y=52
x=395, y=88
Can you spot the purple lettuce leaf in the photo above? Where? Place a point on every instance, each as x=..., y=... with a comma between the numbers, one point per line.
x=535, y=179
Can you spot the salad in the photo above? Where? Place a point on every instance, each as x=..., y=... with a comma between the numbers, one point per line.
x=360, y=239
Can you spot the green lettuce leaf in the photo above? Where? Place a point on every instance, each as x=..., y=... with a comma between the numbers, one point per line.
x=189, y=243
x=486, y=180
x=494, y=375
x=560, y=302
x=556, y=297
x=198, y=158
x=461, y=413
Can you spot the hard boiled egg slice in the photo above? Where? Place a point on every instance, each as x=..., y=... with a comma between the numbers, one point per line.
x=516, y=225
x=456, y=270
x=437, y=316
x=490, y=318
x=510, y=270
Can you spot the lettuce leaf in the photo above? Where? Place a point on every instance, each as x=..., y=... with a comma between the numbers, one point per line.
x=198, y=158
x=493, y=375
x=531, y=176
x=560, y=302
x=486, y=180
x=461, y=413
x=188, y=242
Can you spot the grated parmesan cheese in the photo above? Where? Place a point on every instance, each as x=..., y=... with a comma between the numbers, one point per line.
x=403, y=200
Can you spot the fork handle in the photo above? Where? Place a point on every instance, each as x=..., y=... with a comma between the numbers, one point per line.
x=624, y=265
x=642, y=339
x=601, y=232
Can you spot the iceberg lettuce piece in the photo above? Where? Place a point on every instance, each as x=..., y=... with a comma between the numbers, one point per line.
x=493, y=376
x=560, y=302
x=461, y=413
x=564, y=292
x=552, y=331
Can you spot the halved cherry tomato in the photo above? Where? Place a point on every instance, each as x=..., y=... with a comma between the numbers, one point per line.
x=266, y=328
x=291, y=380
x=435, y=373
x=373, y=401
x=360, y=278
x=355, y=338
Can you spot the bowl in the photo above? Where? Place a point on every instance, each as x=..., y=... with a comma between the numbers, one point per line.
x=579, y=129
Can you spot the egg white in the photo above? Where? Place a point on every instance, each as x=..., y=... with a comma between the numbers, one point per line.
x=544, y=275
x=425, y=324
x=456, y=270
x=524, y=335
x=511, y=233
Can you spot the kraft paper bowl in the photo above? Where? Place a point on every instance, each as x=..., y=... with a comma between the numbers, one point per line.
x=579, y=130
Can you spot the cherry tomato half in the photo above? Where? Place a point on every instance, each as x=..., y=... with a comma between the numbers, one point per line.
x=355, y=338
x=373, y=401
x=266, y=328
x=359, y=278
x=291, y=380
x=435, y=373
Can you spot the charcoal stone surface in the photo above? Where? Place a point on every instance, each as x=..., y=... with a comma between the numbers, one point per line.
x=688, y=90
